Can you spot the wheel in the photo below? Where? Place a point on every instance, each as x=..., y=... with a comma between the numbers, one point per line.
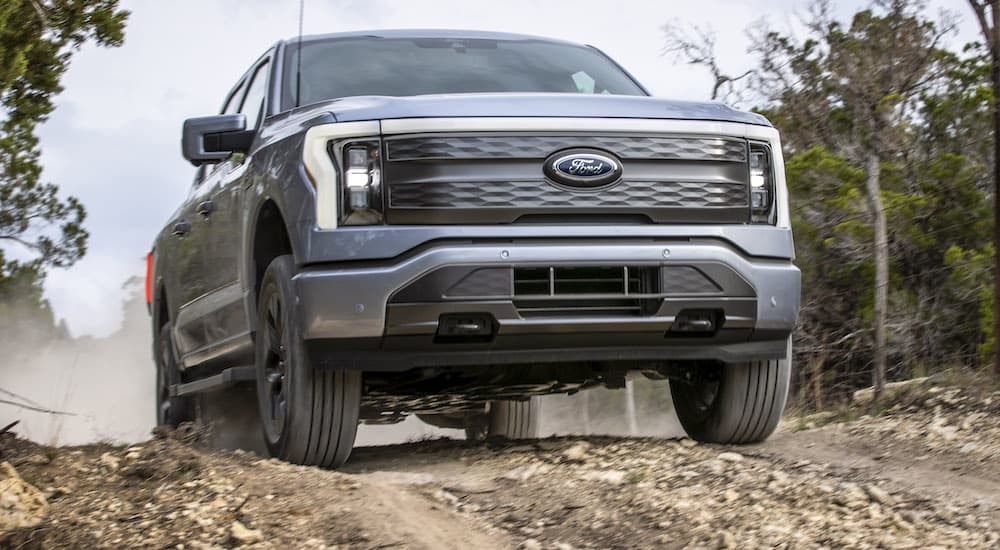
x=735, y=402
x=514, y=419
x=477, y=427
x=309, y=416
x=170, y=410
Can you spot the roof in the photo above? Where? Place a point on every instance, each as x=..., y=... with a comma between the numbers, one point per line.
x=426, y=33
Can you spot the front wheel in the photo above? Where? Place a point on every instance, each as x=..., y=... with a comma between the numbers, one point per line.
x=734, y=402
x=309, y=416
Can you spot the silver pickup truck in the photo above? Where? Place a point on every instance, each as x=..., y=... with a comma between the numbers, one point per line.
x=451, y=223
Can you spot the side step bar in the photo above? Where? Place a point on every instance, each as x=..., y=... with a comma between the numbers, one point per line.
x=225, y=379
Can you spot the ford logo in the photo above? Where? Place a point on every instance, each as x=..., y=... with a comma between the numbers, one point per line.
x=583, y=169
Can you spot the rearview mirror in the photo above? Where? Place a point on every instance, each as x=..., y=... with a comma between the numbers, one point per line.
x=214, y=138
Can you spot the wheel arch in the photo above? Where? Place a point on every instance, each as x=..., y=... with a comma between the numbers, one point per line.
x=269, y=237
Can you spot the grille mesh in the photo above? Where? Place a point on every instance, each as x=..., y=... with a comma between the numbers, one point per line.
x=538, y=147
x=539, y=194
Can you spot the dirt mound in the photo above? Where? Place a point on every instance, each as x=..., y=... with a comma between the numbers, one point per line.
x=925, y=473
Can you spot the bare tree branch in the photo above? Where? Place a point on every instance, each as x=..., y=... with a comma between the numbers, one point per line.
x=36, y=409
x=697, y=47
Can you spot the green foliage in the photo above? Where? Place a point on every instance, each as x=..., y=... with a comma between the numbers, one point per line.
x=37, y=40
x=881, y=82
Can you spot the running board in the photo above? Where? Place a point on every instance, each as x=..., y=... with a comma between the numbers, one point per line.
x=225, y=379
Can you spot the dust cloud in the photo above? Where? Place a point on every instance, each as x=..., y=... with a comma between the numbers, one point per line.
x=108, y=387
x=107, y=384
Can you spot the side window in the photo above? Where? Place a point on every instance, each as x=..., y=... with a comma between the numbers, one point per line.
x=253, y=103
x=231, y=107
x=233, y=103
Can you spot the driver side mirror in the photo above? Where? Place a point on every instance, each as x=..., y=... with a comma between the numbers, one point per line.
x=215, y=138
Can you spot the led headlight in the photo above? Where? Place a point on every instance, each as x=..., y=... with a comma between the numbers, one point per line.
x=761, y=184
x=361, y=190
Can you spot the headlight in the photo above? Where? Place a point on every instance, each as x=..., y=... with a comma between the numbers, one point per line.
x=361, y=190
x=323, y=158
x=761, y=184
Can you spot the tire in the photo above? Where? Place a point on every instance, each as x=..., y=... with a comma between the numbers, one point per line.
x=737, y=403
x=514, y=419
x=309, y=416
x=170, y=411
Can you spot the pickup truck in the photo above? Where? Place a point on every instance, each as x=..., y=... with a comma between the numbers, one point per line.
x=452, y=223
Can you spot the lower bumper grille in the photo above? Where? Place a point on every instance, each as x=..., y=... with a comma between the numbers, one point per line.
x=581, y=291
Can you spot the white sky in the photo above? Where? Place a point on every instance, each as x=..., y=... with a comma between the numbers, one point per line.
x=114, y=139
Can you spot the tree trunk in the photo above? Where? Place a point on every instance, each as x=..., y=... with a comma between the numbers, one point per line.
x=873, y=188
x=994, y=44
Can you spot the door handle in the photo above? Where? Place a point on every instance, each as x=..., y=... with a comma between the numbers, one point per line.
x=205, y=208
x=181, y=228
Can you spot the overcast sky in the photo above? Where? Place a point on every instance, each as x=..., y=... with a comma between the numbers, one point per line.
x=113, y=140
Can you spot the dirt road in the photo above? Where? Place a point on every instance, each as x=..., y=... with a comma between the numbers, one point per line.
x=922, y=475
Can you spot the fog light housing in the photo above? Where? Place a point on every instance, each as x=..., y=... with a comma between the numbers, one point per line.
x=361, y=191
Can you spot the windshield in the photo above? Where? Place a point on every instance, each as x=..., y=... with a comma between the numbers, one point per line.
x=343, y=67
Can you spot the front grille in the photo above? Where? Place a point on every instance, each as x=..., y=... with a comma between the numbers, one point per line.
x=580, y=291
x=498, y=178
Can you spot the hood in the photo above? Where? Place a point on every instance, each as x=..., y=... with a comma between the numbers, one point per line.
x=353, y=109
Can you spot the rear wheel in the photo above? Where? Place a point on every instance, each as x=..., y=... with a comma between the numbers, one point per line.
x=309, y=416
x=170, y=410
x=514, y=419
x=735, y=402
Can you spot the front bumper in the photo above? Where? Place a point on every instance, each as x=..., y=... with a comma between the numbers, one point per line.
x=347, y=314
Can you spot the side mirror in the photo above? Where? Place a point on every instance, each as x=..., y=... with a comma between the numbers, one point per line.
x=214, y=138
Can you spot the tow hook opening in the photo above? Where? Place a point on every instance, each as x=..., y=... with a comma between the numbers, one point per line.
x=466, y=328
x=697, y=323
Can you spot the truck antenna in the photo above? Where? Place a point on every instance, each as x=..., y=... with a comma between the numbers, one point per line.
x=298, y=58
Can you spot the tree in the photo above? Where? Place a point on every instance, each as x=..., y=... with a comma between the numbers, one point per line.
x=38, y=228
x=852, y=89
x=697, y=47
x=989, y=24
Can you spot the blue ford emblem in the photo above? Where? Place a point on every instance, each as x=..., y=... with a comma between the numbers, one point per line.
x=584, y=169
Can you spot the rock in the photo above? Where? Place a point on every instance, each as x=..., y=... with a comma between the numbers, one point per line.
x=614, y=477
x=890, y=391
x=522, y=473
x=819, y=418
x=731, y=457
x=714, y=465
x=577, y=452
x=472, y=487
x=110, y=462
x=725, y=539
x=853, y=496
x=968, y=448
x=946, y=432
x=531, y=544
x=688, y=442
x=880, y=496
x=21, y=504
x=548, y=444
x=35, y=460
x=244, y=535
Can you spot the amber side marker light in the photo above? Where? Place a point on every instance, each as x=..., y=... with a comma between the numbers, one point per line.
x=149, y=279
